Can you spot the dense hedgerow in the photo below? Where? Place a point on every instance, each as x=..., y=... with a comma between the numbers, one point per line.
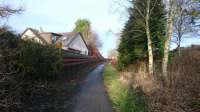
x=34, y=61
x=39, y=62
x=24, y=65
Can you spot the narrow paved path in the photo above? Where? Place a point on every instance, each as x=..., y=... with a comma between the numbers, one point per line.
x=91, y=96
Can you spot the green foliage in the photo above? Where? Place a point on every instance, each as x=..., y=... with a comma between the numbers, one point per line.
x=39, y=62
x=133, y=43
x=8, y=54
x=196, y=103
x=157, y=27
x=132, y=101
x=89, y=35
x=83, y=26
x=24, y=67
x=29, y=75
x=124, y=99
x=33, y=61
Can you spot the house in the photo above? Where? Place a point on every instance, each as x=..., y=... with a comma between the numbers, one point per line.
x=71, y=41
x=74, y=41
x=32, y=34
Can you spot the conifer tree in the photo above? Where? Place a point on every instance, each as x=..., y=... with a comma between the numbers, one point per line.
x=134, y=41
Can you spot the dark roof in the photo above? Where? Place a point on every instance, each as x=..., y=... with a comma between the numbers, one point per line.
x=46, y=36
x=56, y=34
x=69, y=34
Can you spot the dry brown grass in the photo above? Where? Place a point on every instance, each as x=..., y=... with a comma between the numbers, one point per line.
x=183, y=95
x=136, y=76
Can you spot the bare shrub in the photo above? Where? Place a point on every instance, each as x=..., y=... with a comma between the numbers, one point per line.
x=136, y=75
x=183, y=94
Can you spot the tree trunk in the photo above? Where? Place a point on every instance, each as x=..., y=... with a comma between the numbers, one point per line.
x=179, y=48
x=150, y=52
x=167, y=43
x=149, y=41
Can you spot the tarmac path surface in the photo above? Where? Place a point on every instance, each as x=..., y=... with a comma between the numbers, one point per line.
x=91, y=95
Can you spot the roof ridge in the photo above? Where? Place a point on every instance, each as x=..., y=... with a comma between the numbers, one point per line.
x=33, y=29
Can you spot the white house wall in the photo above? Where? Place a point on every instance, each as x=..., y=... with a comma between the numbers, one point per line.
x=79, y=44
x=30, y=35
x=65, y=42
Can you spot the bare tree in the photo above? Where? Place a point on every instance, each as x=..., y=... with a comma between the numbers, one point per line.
x=95, y=40
x=173, y=8
x=170, y=16
x=7, y=10
x=182, y=22
x=149, y=41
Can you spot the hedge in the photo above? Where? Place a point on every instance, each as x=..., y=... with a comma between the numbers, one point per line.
x=24, y=65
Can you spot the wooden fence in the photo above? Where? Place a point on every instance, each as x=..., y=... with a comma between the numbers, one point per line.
x=71, y=59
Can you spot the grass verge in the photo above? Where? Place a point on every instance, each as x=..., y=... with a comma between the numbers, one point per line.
x=123, y=98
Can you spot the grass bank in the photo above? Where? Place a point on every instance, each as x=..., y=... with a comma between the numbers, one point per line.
x=123, y=98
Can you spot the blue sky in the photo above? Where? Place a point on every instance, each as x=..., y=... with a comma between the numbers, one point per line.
x=60, y=16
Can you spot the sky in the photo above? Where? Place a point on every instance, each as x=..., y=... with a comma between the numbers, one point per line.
x=60, y=16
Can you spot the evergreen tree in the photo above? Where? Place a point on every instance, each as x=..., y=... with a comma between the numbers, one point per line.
x=133, y=43
x=158, y=27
